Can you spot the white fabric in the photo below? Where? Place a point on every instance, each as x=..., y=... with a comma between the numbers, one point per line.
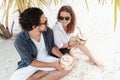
x=42, y=54
x=61, y=36
x=24, y=73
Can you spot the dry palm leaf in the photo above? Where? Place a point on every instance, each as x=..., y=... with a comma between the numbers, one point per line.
x=4, y=32
x=87, y=5
x=20, y=5
x=115, y=14
x=116, y=6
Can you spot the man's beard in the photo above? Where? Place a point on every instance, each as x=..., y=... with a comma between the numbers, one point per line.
x=41, y=31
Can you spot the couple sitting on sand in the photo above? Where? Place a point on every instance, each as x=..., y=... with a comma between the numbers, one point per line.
x=48, y=54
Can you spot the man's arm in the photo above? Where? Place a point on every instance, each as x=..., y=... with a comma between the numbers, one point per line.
x=56, y=52
x=41, y=64
x=54, y=48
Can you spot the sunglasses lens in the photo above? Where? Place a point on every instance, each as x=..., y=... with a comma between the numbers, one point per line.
x=45, y=23
x=67, y=18
x=62, y=18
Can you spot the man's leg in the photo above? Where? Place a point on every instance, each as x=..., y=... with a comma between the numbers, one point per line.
x=37, y=75
x=55, y=75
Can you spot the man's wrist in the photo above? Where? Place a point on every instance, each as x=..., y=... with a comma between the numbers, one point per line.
x=49, y=64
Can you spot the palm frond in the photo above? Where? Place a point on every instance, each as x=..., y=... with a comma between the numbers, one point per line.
x=50, y=1
x=1, y=32
x=44, y=2
x=3, y=3
x=5, y=33
x=56, y=2
x=115, y=14
x=87, y=5
x=118, y=4
x=20, y=6
x=103, y=1
x=7, y=11
x=38, y=3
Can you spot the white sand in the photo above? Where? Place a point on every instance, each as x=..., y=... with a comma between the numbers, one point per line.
x=84, y=69
x=102, y=41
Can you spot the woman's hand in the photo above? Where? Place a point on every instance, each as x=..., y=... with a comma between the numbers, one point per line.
x=74, y=43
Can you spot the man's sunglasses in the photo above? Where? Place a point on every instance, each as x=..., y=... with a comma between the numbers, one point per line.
x=45, y=23
x=62, y=18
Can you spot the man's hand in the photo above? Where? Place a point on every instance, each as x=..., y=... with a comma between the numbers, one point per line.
x=57, y=66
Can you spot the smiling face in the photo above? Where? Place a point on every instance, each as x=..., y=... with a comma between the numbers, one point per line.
x=65, y=18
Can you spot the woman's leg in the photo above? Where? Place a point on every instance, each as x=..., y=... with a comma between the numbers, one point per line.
x=85, y=50
x=55, y=75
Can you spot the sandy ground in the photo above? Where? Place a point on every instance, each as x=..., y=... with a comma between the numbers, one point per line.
x=105, y=51
x=8, y=58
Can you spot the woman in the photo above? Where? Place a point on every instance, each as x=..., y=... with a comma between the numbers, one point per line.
x=65, y=32
x=35, y=45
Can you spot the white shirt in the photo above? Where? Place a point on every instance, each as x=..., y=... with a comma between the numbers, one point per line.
x=61, y=36
x=42, y=51
x=43, y=54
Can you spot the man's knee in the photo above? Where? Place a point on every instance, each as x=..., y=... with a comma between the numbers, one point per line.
x=30, y=78
x=62, y=74
x=37, y=75
x=66, y=72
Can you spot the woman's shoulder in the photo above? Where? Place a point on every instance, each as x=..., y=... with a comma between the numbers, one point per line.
x=56, y=26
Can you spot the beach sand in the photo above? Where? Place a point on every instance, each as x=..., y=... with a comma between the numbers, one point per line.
x=105, y=51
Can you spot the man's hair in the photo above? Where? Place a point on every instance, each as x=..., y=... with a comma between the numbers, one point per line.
x=30, y=17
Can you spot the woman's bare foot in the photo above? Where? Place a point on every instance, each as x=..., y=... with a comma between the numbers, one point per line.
x=96, y=62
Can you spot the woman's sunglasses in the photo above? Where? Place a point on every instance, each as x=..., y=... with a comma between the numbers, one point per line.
x=62, y=18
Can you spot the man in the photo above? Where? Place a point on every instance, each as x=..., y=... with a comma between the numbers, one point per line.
x=35, y=45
